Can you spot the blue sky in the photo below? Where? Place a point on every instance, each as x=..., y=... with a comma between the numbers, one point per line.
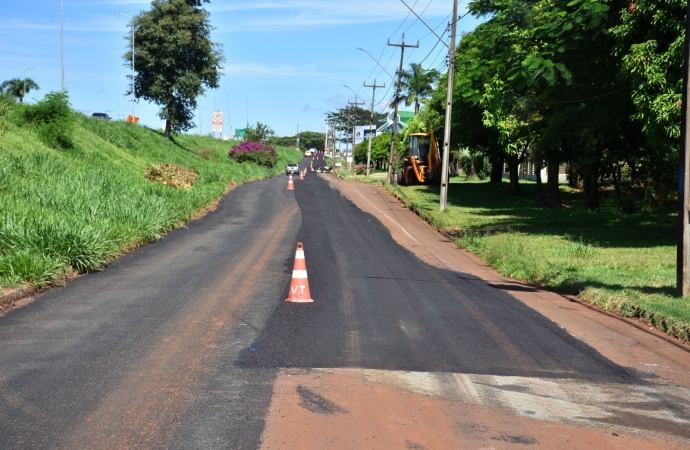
x=287, y=60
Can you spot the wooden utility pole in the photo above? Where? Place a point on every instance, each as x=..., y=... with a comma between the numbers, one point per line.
x=397, y=95
x=371, y=120
x=449, y=110
x=354, y=130
x=682, y=282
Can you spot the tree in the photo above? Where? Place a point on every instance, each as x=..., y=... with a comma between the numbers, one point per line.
x=312, y=139
x=417, y=84
x=343, y=119
x=259, y=133
x=18, y=87
x=174, y=58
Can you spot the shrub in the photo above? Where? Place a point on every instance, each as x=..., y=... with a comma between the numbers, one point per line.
x=260, y=154
x=53, y=118
x=360, y=169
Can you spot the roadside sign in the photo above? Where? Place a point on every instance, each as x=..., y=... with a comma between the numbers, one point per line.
x=217, y=123
x=240, y=132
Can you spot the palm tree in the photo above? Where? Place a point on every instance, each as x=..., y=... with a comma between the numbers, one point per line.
x=17, y=87
x=417, y=84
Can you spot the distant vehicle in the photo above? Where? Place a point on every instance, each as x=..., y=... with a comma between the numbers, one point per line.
x=307, y=153
x=292, y=168
x=324, y=169
x=102, y=116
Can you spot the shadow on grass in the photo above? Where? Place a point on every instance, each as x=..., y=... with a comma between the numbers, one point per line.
x=491, y=206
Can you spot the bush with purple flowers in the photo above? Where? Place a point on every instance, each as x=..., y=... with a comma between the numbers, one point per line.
x=255, y=152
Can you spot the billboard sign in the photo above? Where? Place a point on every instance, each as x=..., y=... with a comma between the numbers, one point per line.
x=362, y=133
x=217, y=123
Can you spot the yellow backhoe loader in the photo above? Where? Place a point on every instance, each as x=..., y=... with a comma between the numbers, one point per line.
x=422, y=165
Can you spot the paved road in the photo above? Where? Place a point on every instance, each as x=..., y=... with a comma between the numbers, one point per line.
x=181, y=343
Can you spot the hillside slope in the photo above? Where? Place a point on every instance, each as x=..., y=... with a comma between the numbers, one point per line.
x=65, y=210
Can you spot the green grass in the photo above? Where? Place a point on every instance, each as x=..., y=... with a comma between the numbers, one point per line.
x=622, y=262
x=79, y=208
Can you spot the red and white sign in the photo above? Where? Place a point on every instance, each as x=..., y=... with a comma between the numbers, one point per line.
x=217, y=124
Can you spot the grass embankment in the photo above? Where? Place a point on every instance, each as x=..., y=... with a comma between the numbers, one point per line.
x=621, y=262
x=74, y=210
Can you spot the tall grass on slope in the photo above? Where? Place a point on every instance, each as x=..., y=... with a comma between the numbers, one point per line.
x=81, y=207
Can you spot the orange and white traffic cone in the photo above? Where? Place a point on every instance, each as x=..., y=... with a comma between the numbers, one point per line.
x=299, y=287
x=291, y=185
x=301, y=175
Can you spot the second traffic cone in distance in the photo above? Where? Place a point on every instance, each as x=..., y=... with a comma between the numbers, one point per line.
x=299, y=286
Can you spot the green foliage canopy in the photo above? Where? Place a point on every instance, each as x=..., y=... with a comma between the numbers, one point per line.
x=174, y=58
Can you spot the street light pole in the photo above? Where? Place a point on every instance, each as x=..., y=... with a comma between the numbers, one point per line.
x=62, y=45
x=130, y=18
x=24, y=79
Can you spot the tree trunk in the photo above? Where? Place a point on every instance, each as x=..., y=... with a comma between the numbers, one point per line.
x=590, y=189
x=168, y=127
x=572, y=176
x=553, y=194
x=618, y=180
x=497, y=169
x=537, y=173
x=513, y=164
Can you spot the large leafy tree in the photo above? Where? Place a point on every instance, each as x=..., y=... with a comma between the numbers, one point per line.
x=417, y=84
x=343, y=119
x=18, y=87
x=312, y=139
x=175, y=59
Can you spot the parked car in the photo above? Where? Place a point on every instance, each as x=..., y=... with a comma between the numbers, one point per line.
x=102, y=116
x=292, y=168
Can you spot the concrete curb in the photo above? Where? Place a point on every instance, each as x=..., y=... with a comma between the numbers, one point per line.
x=8, y=298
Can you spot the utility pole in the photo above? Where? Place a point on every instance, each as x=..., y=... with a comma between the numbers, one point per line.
x=297, y=136
x=683, y=284
x=449, y=110
x=397, y=95
x=354, y=130
x=371, y=120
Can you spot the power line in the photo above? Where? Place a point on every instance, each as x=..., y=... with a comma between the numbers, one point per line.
x=423, y=11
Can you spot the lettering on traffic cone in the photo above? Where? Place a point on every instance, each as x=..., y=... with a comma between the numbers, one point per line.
x=291, y=185
x=299, y=287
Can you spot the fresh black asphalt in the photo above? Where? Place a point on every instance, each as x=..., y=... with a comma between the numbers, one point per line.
x=375, y=306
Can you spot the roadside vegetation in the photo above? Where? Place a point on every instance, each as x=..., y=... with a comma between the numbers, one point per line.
x=76, y=192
